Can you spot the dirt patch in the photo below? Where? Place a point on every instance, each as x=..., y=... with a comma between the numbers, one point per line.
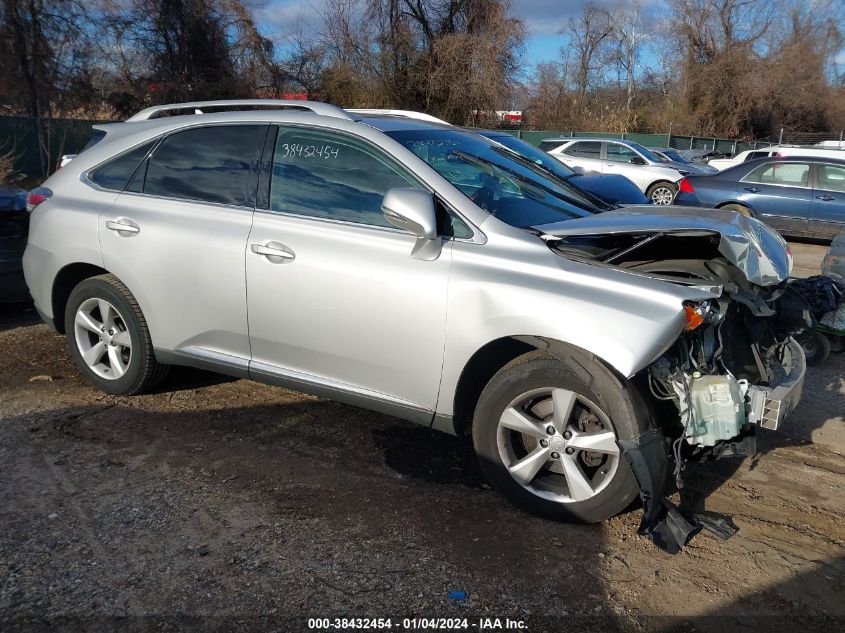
x=224, y=503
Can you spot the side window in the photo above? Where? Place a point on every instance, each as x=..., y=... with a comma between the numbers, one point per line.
x=548, y=146
x=756, y=155
x=832, y=178
x=116, y=173
x=209, y=164
x=791, y=174
x=327, y=175
x=620, y=153
x=585, y=149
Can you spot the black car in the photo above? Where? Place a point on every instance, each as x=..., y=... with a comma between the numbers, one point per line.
x=14, y=224
x=798, y=196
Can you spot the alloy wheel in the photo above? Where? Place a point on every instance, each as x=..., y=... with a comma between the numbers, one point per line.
x=102, y=338
x=662, y=196
x=558, y=445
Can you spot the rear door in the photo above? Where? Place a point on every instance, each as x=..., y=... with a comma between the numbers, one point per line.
x=780, y=194
x=828, y=218
x=177, y=238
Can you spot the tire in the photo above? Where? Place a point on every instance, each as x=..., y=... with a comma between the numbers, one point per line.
x=549, y=493
x=661, y=193
x=120, y=357
x=816, y=346
x=742, y=210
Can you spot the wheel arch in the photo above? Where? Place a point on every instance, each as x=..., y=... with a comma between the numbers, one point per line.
x=738, y=203
x=63, y=284
x=494, y=355
x=661, y=181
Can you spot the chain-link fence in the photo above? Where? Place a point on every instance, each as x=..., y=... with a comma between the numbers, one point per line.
x=36, y=145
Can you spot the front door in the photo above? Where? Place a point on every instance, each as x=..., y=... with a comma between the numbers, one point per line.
x=336, y=301
x=828, y=219
x=177, y=235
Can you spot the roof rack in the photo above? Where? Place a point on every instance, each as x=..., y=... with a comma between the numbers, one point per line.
x=197, y=107
x=406, y=114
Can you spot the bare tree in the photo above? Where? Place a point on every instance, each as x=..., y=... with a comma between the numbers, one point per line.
x=587, y=36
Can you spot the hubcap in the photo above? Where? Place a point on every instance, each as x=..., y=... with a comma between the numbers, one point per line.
x=102, y=338
x=575, y=463
x=662, y=195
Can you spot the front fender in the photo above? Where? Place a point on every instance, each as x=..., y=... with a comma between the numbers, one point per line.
x=626, y=320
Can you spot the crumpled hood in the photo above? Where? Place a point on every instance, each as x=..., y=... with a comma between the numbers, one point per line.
x=754, y=248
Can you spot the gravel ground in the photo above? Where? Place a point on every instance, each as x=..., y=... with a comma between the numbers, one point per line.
x=223, y=504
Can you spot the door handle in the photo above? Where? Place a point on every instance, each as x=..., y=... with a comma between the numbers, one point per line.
x=752, y=189
x=273, y=251
x=826, y=198
x=123, y=226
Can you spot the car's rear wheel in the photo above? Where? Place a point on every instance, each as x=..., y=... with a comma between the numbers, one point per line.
x=547, y=441
x=742, y=210
x=108, y=337
x=662, y=193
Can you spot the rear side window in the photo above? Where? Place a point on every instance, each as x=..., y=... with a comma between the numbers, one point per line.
x=116, y=173
x=755, y=155
x=209, y=164
x=791, y=174
x=587, y=149
x=548, y=146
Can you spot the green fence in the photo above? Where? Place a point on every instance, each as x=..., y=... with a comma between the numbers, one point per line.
x=726, y=146
x=36, y=152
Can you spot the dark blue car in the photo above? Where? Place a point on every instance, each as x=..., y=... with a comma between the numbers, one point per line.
x=804, y=197
x=14, y=223
x=613, y=189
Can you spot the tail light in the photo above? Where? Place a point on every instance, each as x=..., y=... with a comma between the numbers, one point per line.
x=685, y=186
x=36, y=197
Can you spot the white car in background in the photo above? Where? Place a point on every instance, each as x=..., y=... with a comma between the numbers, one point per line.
x=625, y=158
x=815, y=152
x=750, y=154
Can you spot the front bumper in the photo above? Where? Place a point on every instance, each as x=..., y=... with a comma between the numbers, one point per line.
x=769, y=406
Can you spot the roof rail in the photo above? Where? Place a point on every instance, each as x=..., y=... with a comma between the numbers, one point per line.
x=405, y=114
x=196, y=107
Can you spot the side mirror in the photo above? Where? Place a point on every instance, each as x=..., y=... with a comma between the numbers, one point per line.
x=413, y=210
x=637, y=160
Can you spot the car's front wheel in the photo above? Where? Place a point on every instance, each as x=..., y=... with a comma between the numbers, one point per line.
x=662, y=193
x=547, y=441
x=108, y=337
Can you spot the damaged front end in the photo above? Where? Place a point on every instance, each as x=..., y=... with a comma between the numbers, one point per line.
x=735, y=367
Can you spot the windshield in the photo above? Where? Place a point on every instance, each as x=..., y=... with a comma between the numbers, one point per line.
x=512, y=187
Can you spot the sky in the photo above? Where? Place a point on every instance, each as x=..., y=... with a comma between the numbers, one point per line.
x=543, y=19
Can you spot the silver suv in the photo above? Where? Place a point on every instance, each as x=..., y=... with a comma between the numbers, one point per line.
x=421, y=270
x=656, y=179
